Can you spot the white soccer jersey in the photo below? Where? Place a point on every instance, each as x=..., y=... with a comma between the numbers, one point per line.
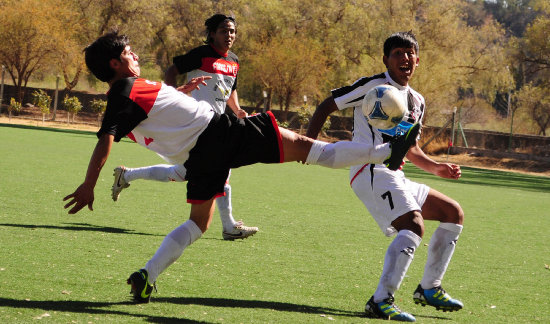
x=352, y=97
x=156, y=116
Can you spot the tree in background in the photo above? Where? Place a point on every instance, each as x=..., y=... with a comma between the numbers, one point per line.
x=15, y=106
x=533, y=68
x=98, y=106
x=73, y=106
x=41, y=100
x=290, y=48
x=29, y=34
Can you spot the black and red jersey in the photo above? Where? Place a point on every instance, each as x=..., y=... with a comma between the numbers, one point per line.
x=156, y=116
x=205, y=60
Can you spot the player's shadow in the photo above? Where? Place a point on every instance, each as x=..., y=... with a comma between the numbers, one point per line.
x=432, y=317
x=81, y=227
x=255, y=304
x=88, y=307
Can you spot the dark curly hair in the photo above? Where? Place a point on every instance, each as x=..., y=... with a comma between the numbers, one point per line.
x=400, y=39
x=102, y=51
x=214, y=22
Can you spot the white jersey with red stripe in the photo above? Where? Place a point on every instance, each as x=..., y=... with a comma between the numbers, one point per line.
x=206, y=61
x=156, y=116
x=352, y=97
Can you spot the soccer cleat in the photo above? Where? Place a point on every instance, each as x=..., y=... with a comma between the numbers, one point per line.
x=239, y=231
x=119, y=182
x=386, y=309
x=141, y=289
x=436, y=297
x=400, y=145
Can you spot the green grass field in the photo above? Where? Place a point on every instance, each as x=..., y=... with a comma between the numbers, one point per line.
x=316, y=259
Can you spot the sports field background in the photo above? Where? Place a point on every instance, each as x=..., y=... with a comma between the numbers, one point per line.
x=316, y=259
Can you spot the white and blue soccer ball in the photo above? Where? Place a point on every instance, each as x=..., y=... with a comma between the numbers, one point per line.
x=384, y=107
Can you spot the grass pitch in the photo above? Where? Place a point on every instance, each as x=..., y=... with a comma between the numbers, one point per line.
x=317, y=257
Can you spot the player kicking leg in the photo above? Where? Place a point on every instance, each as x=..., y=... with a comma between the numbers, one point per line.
x=295, y=148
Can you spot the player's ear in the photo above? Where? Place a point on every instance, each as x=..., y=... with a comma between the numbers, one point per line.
x=385, y=60
x=114, y=63
x=417, y=60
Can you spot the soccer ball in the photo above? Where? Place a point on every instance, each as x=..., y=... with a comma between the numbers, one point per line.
x=384, y=107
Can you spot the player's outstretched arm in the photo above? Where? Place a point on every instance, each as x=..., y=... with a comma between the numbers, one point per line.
x=424, y=162
x=84, y=194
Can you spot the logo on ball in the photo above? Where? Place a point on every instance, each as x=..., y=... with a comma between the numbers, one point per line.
x=384, y=107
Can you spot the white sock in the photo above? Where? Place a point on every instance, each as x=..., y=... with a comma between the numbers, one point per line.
x=398, y=257
x=224, y=207
x=346, y=153
x=440, y=251
x=172, y=248
x=159, y=172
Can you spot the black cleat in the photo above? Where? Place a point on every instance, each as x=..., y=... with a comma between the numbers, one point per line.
x=400, y=145
x=141, y=289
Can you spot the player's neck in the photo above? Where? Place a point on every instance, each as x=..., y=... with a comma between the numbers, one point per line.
x=223, y=52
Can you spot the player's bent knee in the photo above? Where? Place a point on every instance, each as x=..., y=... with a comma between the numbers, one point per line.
x=453, y=213
x=411, y=221
x=458, y=213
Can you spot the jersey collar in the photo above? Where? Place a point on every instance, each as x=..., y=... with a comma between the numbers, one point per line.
x=395, y=84
x=220, y=53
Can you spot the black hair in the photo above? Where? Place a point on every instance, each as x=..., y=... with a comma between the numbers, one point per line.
x=102, y=51
x=214, y=22
x=400, y=39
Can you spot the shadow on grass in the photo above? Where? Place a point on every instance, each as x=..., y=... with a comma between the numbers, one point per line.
x=495, y=178
x=81, y=227
x=254, y=304
x=87, y=307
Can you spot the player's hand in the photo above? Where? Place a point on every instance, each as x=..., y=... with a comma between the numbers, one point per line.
x=401, y=166
x=448, y=171
x=241, y=113
x=194, y=84
x=83, y=195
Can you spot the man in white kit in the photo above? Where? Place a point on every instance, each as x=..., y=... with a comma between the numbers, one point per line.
x=399, y=205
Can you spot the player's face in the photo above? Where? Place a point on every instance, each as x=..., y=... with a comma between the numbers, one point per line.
x=129, y=66
x=224, y=36
x=401, y=64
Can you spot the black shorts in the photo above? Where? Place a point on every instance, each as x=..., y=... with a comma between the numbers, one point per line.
x=227, y=143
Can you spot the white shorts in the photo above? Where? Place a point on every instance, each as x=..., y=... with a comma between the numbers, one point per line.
x=387, y=194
